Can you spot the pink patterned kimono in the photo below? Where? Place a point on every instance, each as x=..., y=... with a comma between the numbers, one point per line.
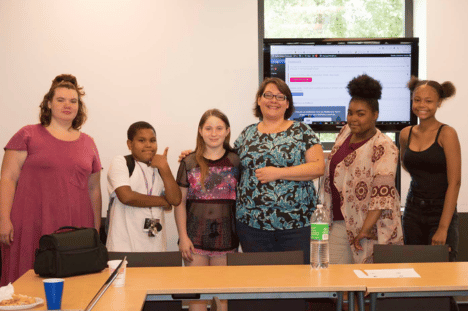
x=365, y=180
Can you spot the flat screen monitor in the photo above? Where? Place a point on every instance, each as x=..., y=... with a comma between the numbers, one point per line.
x=318, y=71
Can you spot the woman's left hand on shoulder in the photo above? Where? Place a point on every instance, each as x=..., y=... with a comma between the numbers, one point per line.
x=268, y=174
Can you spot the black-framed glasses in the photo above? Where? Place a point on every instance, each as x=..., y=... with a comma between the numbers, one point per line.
x=279, y=97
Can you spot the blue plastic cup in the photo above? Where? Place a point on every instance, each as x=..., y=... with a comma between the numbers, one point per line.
x=53, y=291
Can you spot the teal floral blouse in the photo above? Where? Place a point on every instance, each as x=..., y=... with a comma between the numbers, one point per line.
x=281, y=204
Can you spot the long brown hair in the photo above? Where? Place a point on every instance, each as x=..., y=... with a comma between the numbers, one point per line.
x=201, y=147
x=69, y=82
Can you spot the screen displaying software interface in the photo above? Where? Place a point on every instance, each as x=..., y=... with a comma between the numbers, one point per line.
x=318, y=75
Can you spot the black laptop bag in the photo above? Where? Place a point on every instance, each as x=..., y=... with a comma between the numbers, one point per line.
x=70, y=251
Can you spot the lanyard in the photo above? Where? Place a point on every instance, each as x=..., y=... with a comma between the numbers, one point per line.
x=148, y=189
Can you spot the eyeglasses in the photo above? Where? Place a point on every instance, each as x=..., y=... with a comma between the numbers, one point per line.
x=279, y=97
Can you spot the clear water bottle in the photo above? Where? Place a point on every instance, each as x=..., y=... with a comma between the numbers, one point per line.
x=319, y=227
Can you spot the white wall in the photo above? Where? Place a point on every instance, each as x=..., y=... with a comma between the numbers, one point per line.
x=447, y=61
x=164, y=62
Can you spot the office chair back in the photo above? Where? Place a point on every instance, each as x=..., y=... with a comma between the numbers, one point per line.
x=263, y=259
x=463, y=234
x=408, y=254
x=153, y=259
x=149, y=259
x=266, y=258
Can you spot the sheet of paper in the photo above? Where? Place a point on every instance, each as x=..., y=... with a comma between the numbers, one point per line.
x=387, y=273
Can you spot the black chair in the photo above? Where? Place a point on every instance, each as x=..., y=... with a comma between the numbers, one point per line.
x=410, y=253
x=463, y=234
x=268, y=258
x=462, y=252
x=406, y=254
x=153, y=259
x=150, y=259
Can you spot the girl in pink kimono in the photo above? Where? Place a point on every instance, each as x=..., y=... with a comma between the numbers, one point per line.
x=359, y=181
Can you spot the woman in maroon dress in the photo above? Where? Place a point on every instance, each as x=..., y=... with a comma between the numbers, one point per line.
x=50, y=178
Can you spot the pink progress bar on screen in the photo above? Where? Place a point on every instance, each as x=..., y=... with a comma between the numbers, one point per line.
x=300, y=79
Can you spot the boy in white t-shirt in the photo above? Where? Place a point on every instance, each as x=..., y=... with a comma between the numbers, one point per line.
x=141, y=186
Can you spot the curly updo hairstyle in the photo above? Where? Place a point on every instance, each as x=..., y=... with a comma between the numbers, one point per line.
x=445, y=90
x=66, y=81
x=367, y=89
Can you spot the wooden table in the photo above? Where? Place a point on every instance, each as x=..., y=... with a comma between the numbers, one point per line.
x=226, y=282
x=437, y=279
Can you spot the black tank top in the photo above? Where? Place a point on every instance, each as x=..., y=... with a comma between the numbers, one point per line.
x=428, y=170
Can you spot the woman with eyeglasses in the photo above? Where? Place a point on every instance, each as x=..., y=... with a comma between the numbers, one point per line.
x=279, y=159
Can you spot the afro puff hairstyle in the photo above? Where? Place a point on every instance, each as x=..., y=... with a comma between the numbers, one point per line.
x=445, y=90
x=367, y=89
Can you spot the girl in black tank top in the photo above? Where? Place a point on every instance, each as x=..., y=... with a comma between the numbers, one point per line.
x=430, y=215
x=428, y=169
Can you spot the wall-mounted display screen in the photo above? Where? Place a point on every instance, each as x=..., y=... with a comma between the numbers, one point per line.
x=318, y=71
